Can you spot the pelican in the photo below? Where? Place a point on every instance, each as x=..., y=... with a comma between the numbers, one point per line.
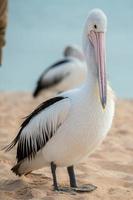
x=64, y=130
x=64, y=74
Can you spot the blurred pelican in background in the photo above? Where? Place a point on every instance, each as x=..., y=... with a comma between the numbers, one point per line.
x=67, y=73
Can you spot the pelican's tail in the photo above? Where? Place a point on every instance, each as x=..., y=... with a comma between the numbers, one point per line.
x=15, y=169
x=21, y=168
x=27, y=165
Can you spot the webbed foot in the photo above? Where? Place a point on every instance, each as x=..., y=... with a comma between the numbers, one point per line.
x=85, y=188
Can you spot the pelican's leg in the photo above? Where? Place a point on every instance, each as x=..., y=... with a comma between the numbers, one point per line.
x=72, y=176
x=53, y=170
x=60, y=189
x=84, y=188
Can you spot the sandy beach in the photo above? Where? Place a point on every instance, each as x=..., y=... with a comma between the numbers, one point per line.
x=110, y=168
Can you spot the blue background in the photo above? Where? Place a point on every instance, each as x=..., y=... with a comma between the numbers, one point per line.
x=38, y=30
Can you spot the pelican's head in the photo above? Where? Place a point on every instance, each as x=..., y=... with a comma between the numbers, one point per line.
x=73, y=51
x=95, y=30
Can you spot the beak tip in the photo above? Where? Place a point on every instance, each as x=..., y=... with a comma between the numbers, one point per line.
x=104, y=101
x=103, y=105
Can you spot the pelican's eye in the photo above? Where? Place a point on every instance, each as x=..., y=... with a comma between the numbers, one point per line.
x=95, y=26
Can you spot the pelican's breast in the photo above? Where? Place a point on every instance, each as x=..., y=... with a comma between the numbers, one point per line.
x=99, y=120
x=85, y=128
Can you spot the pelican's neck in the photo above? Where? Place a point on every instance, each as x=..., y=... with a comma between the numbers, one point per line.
x=91, y=81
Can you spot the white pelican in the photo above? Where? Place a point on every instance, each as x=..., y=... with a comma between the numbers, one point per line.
x=64, y=130
x=65, y=74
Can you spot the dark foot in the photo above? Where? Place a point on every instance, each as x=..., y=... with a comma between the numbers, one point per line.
x=85, y=188
x=61, y=189
x=74, y=190
x=56, y=188
x=65, y=190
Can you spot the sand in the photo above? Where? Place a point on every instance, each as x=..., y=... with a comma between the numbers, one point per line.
x=110, y=168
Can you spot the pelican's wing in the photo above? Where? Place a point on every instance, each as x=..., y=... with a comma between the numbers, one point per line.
x=52, y=75
x=40, y=126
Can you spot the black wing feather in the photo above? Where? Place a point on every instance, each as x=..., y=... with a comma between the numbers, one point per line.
x=29, y=150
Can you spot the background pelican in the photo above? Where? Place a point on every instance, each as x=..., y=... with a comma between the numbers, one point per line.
x=65, y=74
x=64, y=130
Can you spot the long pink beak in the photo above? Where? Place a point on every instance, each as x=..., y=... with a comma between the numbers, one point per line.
x=98, y=41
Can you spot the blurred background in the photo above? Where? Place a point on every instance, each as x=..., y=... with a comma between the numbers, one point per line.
x=38, y=31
